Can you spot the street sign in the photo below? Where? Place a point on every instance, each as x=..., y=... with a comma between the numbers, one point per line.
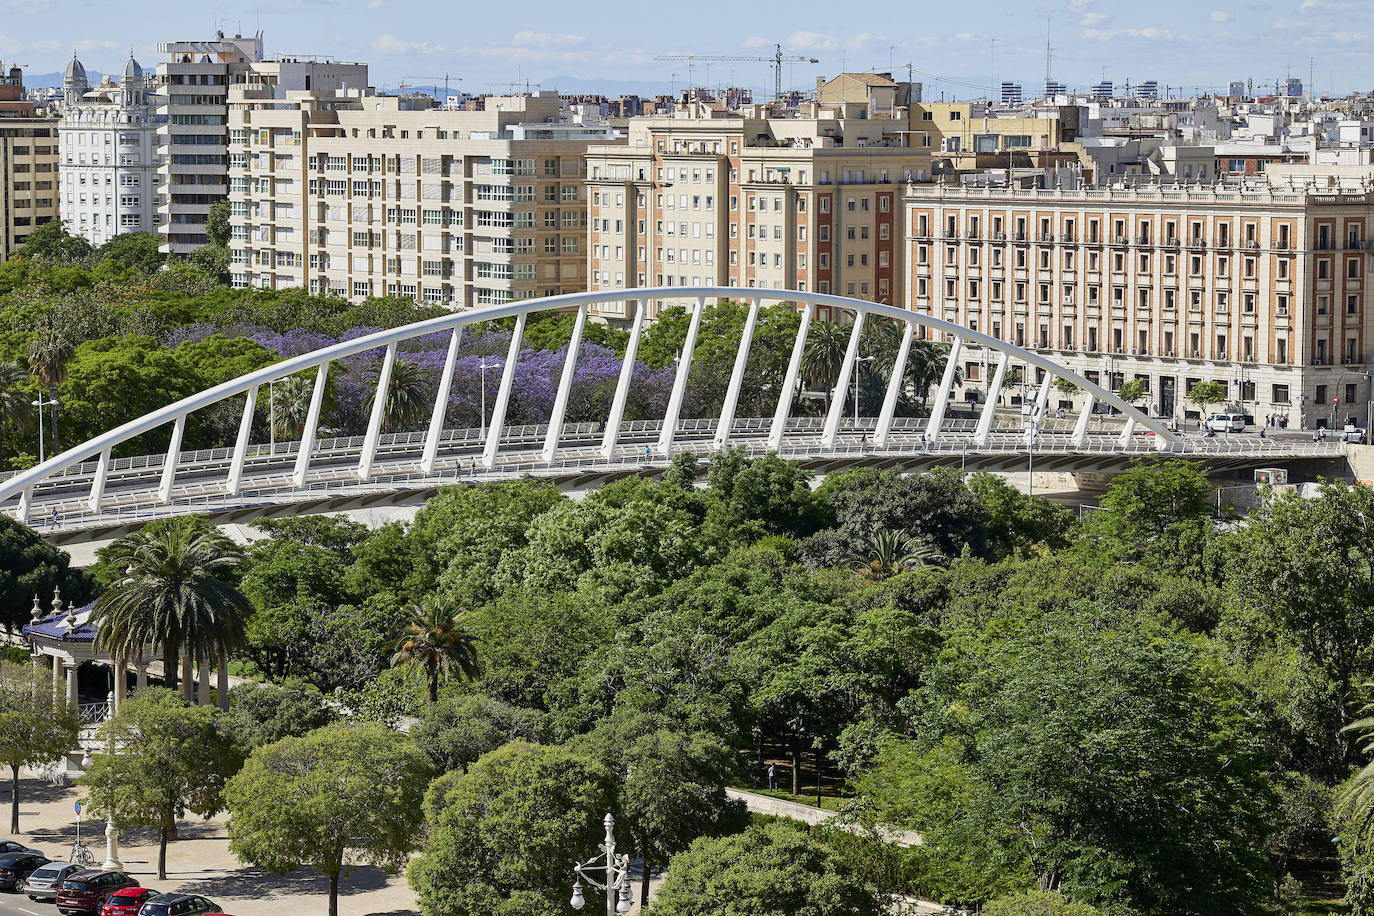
x=78, y=809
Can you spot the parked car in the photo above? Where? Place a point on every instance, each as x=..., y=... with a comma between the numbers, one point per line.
x=7, y=846
x=47, y=881
x=1226, y=422
x=16, y=866
x=1353, y=434
x=84, y=891
x=178, y=905
x=127, y=901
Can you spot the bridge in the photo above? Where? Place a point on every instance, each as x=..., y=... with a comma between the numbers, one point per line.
x=84, y=491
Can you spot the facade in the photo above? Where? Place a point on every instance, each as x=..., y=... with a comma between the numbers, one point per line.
x=194, y=85
x=356, y=196
x=810, y=203
x=1262, y=290
x=28, y=165
x=108, y=153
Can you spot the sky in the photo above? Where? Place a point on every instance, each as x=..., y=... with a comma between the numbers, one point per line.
x=955, y=49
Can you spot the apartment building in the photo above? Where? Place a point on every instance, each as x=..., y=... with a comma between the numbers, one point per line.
x=28, y=165
x=194, y=83
x=359, y=195
x=708, y=197
x=107, y=142
x=1260, y=289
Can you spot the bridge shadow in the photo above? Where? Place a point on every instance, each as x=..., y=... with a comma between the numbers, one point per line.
x=256, y=883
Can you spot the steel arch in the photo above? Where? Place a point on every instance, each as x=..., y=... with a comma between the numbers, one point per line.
x=319, y=360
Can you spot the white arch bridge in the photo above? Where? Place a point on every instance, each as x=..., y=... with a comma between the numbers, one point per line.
x=84, y=490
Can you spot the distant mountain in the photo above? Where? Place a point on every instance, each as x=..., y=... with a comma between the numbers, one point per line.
x=571, y=85
x=54, y=80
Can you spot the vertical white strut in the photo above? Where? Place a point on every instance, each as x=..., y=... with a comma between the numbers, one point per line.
x=232, y=482
x=560, y=400
x=498, y=412
x=937, y=413
x=1080, y=429
x=1127, y=432
x=98, y=485
x=622, y=388
x=1042, y=400
x=684, y=368
x=169, y=465
x=374, y=422
x=894, y=386
x=436, y=422
x=789, y=382
x=312, y=421
x=980, y=436
x=832, y=420
x=727, y=410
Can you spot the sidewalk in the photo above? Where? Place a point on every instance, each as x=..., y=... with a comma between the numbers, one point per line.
x=199, y=862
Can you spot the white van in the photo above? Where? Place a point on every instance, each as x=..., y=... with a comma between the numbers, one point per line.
x=1226, y=423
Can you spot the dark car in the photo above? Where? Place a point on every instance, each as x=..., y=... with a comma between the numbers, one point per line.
x=16, y=866
x=178, y=905
x=85, y=891
x=127, y=901
x=7, y=846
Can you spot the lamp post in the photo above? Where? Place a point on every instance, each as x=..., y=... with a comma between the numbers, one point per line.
x=482, y=418
x=40, y=404
x=617, y=880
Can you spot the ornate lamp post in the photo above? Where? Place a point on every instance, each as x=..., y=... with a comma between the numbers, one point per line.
x=617, y=881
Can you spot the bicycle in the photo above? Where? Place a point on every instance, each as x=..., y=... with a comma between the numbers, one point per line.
x=81, y=855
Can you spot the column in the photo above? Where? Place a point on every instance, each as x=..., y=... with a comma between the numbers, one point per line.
x=56, y=678
x=203, y=681
x=112, y=862
x=222, y=683
x=73, y=697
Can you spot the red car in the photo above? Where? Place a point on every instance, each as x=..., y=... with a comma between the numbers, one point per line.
x=126, y=901
x=85, y=891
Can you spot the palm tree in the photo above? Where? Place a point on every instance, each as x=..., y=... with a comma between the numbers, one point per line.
x=826, y=343
x=407, y=395
x=1355, y=804
x=16, y=408
x=292, y=405
x=49, y=351
x=891, y=552
x=436, y=641
x=175, y=591
x=925, y=366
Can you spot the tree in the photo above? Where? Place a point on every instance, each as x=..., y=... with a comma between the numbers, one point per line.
x=341, y=794
x=772, y=868
x=1131, y=390
x=502, y=837
x=826, y=344
x=925, y=366
x=31, y=568
x=892, y=552
x=672, y=783
x=1065, y=387
x=16, y=406
x=49, y=351
x=438, y=642
x=34, y=729
x=457, y=730
x=1205, y=394
x=161, y=758
x=217, y=227
x=407, y=397
x=136, y=250
x=265, y=713
x=52, y=242
x=291, y=402
x=174, y=589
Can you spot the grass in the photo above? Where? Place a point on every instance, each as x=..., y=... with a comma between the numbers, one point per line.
x=1323, y=908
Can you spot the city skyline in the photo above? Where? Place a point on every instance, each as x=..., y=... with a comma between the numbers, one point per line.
x=490, y=50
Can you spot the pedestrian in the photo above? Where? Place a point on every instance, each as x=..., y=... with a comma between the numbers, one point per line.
x=923, y=442
x=1262, y=429
x=863, y=442
x=1323, y=434
x=52, y=519
x=1315, y=437
x=646, y=453
x=772, y=776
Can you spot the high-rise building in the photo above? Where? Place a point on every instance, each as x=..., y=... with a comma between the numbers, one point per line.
x=1102, y=90
x=1262, y=292
x=28, y=165
x=108, y=154
x=1054, y=88
x=1147, y=91
x=357, y=195
x=782, y=203
x=195, y=77
x=1011, y=93
x=1292, y=87
x=1236, y=89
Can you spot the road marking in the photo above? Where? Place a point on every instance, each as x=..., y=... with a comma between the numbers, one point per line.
x=30, y=912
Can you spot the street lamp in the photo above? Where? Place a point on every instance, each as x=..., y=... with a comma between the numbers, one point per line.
x=40, y=404
x=482, y=418
x=617, y=881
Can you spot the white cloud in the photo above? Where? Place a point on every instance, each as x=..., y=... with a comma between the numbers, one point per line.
x=546, y=39
x=1092, y=19
x=1152, y=33
x=1220, y=16
x=26, y=7
x=811, y=41
x=1332, y=6
x=389, y=44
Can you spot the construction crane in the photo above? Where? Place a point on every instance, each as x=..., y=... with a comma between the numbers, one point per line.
x=776, y=60
x=433, y=82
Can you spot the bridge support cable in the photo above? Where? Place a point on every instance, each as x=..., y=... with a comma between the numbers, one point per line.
x=851, y=355
x=102, y=471
x=684, y=368
x=622, y=388
x=436, y=422
x=1080, y=429
x=999, y=375
x=789, y=382
x=1042, y=400
x=937, y=412
x=894, y=386
x=727, y=410
x=560, y=400
x=234, y=481
x=498, y=412
x=169, y=464
x=374, y=421
x=312, y=422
